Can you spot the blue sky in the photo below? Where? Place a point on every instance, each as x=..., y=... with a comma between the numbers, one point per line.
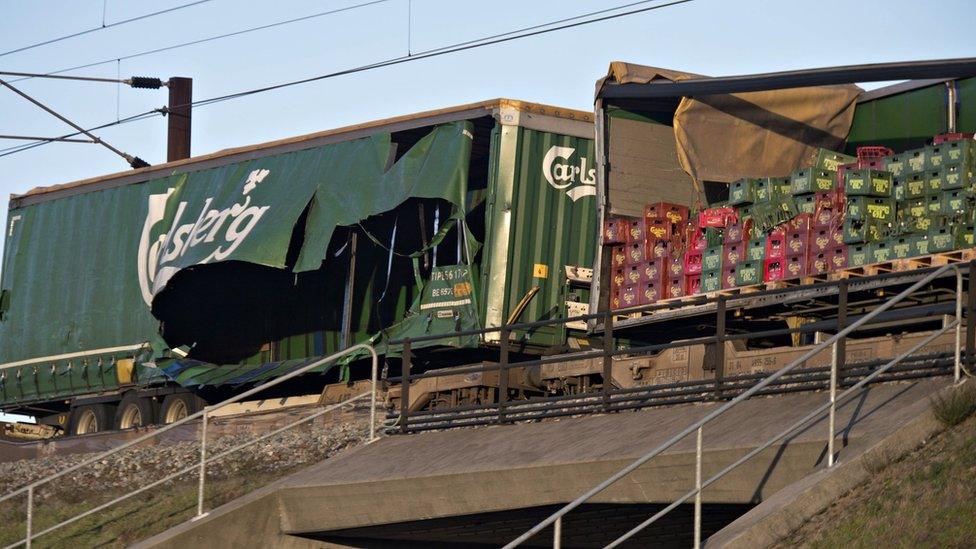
x=713, y=37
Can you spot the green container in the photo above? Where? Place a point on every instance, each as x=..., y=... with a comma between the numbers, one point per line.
x=778, y=186
x=915, y=186
x=941, y=240
x=880, y=252
x=827, y=160
x=963, y=236
x=958, y=176
x=934, y=155
x=809, y=180
x=933, y=182
x=899, y=188
x=901, y=247
x=745, y=212
x=933, y=203
x=762, y=191
x=867, y=182
x=856, y=232
x=895, y=164
x=712, y=259
x=915, y=161
x=962, y=152
x=742, y=192
x=756, y=249
x=711, y=280
x=920, y=245
x=748, y=273
x=867, y=208
x=805, y=203
x=955, y=202
x=858, y=255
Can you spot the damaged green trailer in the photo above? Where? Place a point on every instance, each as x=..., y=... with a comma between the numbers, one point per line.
x=134, y=298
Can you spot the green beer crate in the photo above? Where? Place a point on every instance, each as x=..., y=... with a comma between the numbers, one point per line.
x=941, y=240
x=866, y=208
x=920, y=244
x=934, y=204
x=962, y=234
x=809, y=180
x=748, y=273
x=880, y=252
x=934, y=157
x=742, y=192
x=778, y=186
x=899, y=188
x=915, y=161
x=962, y=152
x=756, y=249
x=855, y=232
x=712, y=258
x=745, y=212
x=923, y=224
x=805, y=203
x=713, y=237
x=867, y=182
x=915, y=186
x=916, y=208
x=901, y=247
x=933, y=182
x=858, y=255
x=829, y=161
x=711, y=280
x=954, y=202
x=958, y=176
x=895, y=164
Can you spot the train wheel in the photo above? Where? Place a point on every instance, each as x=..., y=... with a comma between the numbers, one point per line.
x=134, y=411
x=178, y=406
x=91, y=419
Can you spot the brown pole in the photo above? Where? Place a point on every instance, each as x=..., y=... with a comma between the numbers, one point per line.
x=180, y=116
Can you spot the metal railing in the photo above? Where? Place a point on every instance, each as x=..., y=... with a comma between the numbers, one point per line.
x=836, y=343
x=31, y=488
x=407, y=421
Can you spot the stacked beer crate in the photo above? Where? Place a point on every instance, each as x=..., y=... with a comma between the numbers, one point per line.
x=647, y=255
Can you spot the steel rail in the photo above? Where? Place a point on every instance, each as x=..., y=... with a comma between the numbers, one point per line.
x=30, y=488
x=730, y=404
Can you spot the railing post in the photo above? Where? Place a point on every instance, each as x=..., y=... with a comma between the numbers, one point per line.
x=607, y=359
x=833, y=403
x=971, y=318
x=405, y=387
x=374, y=377
x=719, y=345
x=958, y=351
x=30, y=516
x=203, y=461
x=841, y=324
x=557, y=533
x=698, y=488
x=503, y=336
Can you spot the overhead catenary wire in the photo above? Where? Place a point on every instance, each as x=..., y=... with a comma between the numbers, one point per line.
x=525, y=32
x=103, y=26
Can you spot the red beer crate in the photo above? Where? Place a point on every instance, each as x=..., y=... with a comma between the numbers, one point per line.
x=673, y=213
x=728, y=276
x=632, y=275
x=636, y=253
x=776, y=245
x=657, y=249
x=733, y=253
x=628, y=297
x=692, y=284
x=801, y=223
x=615, y=230
x=657, y=229
x=797, y=241
x=795, y=265
x=617, y=279
x=836, y=235
x=838, y=257
x=636, y=233
x=676, y=287
x=716, y=218
x=773, y=268
x=693, y=263
x=618, y=256
x=737, y=232
x=652, y=271
x=649, y=292
x=676, y=266
x=820, y=240
x=819, y=263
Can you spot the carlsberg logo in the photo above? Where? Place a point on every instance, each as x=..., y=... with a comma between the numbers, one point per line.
x=228, y=228
x=561, y=173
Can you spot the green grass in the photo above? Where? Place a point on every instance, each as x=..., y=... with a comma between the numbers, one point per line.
x=955, y=406
x=926, y=499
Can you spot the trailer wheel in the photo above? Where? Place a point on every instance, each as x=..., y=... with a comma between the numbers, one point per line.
x=91, y=419
x=178, y=406
x=134, y=411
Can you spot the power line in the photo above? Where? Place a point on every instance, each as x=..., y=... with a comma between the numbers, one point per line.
x=213, y=38
x=525, y=32
x=104, y=26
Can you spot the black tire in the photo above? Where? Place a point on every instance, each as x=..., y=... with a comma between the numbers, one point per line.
x=93, y=418
x=134, y=411
x=178, y=406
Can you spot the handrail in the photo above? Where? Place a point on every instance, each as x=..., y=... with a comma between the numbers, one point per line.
x=753, y=390
x=29, y=488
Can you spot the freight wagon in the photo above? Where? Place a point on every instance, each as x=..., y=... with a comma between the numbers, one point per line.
x=135, y=298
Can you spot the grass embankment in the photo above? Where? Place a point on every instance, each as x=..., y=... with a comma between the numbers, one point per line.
x=925, y=499
x=168, y=505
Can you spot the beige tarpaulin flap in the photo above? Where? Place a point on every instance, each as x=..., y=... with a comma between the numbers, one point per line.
x=728, y=136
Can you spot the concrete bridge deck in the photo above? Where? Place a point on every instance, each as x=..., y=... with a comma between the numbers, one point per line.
x=485, y=485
